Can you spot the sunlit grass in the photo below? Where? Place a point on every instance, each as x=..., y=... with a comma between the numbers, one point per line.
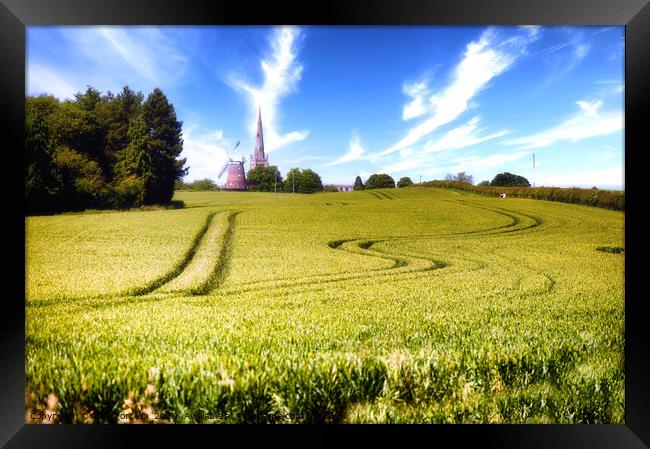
x=422, y=306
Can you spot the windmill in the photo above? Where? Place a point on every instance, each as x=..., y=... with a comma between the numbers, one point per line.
x=236, y=179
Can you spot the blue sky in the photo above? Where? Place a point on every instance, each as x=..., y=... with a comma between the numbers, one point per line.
x=418, y=101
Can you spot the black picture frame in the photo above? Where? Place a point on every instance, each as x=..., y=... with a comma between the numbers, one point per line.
x=16, y=15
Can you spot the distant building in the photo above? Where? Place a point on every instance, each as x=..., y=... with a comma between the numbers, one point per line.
x=344, y=187
x=259, y=158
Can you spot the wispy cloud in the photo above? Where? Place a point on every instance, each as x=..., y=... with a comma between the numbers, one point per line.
x=282, y=72
x=463, y=136
x=206, y=152
x=108, y=58
x=41, y=79
x=355, y=152
x=587, y=123
x=482, y=61
x=135, y=52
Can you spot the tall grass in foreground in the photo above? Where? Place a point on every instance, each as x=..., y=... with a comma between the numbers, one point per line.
x=500, y=311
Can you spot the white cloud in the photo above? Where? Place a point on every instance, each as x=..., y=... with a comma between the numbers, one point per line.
x=108, y=58
x=282, y=72
x=206, y=153
x=585, y=124
x=144, y=55
x=41, y=79
x=355, y=152
x=463, y=136
x=418, y=106
x=482, y=61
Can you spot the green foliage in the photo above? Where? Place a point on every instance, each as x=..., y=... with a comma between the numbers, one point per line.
x=392, y=306
x=404, y=182
x=42, y=179
x=82, y=178
x=101, y=151
x=264, y=179
x=166, y=144
x=380, y=181
x=509, y=180
x=330, y=188
x=608, y=199
x=306, y=181
x=358, y=183
x=483, y=183
x=310, y=182
x=198, y=186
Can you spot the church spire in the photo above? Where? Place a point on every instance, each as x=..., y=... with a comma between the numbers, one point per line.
x=259, y=144
x=258, y=157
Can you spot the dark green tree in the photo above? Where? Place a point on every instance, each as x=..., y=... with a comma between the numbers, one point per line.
x=380, y=181
x=509, y=180
x=42, y=179
x=101, y=150
x=263, y=179
x=291, y=182
x=82, y=179
x=405, y=181
x=330, y=188
x=358, y=183
x=136, y=167
x=484, y=183
x=166, y=145
x=310, y=182
x=115, y=114
x=306, y=181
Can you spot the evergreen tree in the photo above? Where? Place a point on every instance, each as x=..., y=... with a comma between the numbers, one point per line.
x=358, y=183
x=135, y=171
x=166, y=145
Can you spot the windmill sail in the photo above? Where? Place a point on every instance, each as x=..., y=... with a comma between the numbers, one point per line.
x=225, y=166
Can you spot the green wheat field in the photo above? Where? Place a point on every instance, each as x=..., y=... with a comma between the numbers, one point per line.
x=416, y=305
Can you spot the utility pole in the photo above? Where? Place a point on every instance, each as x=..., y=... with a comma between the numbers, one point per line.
x=420, y=179
x=293, y=180
x=275, y=181
x=533, y=169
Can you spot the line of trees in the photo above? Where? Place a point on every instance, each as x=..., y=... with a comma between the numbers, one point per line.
x=101, y=151
x=375, y=181
x=269, y=179
x=608, y=199
x=199, y=185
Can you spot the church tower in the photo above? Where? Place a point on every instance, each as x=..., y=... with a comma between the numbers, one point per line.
x=258, y=157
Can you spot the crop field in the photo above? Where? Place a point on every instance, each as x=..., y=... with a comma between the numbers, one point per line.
x=386, y=306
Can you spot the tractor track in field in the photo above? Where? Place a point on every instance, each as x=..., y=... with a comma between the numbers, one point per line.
x=212, y=280
x=403, y=263
x=218, y=240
